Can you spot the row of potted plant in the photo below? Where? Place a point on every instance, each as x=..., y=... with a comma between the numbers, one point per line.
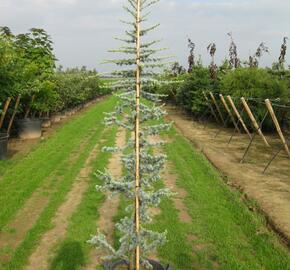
x=34, y=90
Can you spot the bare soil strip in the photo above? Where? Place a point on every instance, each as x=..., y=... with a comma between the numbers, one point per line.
x=23, y=222
x=110, y=207
x=39, y=259
x=170, y=182
x=270, y=190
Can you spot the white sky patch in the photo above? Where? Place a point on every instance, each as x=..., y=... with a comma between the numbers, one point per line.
x=83, y=30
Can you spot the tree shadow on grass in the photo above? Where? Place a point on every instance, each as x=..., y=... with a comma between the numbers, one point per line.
x=70, y=256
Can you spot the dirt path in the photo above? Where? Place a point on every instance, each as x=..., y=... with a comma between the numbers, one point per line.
x=110, y=207
x=270, y=190
x=39, y=259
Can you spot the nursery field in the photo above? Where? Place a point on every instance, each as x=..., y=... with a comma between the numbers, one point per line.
x=50, y=208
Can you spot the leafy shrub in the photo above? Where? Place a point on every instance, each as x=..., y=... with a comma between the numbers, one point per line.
x=189, y=93
x=74, y=87
x=255, y=83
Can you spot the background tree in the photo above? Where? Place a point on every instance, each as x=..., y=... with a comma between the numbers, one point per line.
x=191, y=58
x=211, y=48
x=254, y=60
x=283, y=51
x=233, y=53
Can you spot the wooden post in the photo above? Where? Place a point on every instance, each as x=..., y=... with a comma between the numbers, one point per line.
x=14, y=114
x=137, y=132
x=5, y=108
x=277, y=125
x=217, y=107
x=239, y=116
x=229, y=112
x=210, y=107
x=253, y=119
x=29, y=107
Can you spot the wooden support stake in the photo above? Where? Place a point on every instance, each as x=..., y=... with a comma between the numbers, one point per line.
x=229, y=112
x=29, y=107
x=254, y=121
x=218, y=108
x=14, y=114
x=5, y=108
x=137, y=133
x=239, y=116
x=210, y=107
x=277, y=125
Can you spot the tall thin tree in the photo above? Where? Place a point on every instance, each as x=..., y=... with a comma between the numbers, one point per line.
x=254, y=60
x=142, y=167
x=191, y=58
x=233, y=53
x=211, y=48
x=283, y=51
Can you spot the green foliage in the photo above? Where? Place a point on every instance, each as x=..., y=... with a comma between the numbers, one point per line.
x=168, y=86
x=258, y=84
x=74, y=87
x=27, y=68
x=8, y=67
x=253, y=82
x=27, y=64
x=189, y=94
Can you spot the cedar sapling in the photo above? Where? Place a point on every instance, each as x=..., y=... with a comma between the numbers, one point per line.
x=142, y=168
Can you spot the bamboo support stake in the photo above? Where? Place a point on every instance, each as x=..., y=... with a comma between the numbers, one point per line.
x=239, y=116
x=210, y=106
x=29, y=107
x=217, y=107
x=254, y=121
x=14, y=114
x=229, y=112
x=137, y=134
x=6, y=106
x=277, y=125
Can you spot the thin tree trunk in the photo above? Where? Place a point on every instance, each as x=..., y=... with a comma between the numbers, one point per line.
x=137, y=137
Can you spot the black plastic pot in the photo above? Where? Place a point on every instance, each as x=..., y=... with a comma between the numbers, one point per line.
x=55, y=118
x=156, y=265
x=3, y=145
x=46, y=122
x=29, y=128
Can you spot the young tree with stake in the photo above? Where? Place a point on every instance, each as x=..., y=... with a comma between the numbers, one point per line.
x=141, y=166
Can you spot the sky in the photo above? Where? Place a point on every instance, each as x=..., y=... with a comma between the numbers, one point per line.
x=84, y=30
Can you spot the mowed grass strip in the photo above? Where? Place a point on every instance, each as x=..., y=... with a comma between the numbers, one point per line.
x=224, y=233
x=92, y=118
x=21, y=179
x=73, y=251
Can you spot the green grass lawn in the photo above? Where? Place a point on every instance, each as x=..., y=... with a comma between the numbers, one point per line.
x=57, y=160
x=227, y=235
